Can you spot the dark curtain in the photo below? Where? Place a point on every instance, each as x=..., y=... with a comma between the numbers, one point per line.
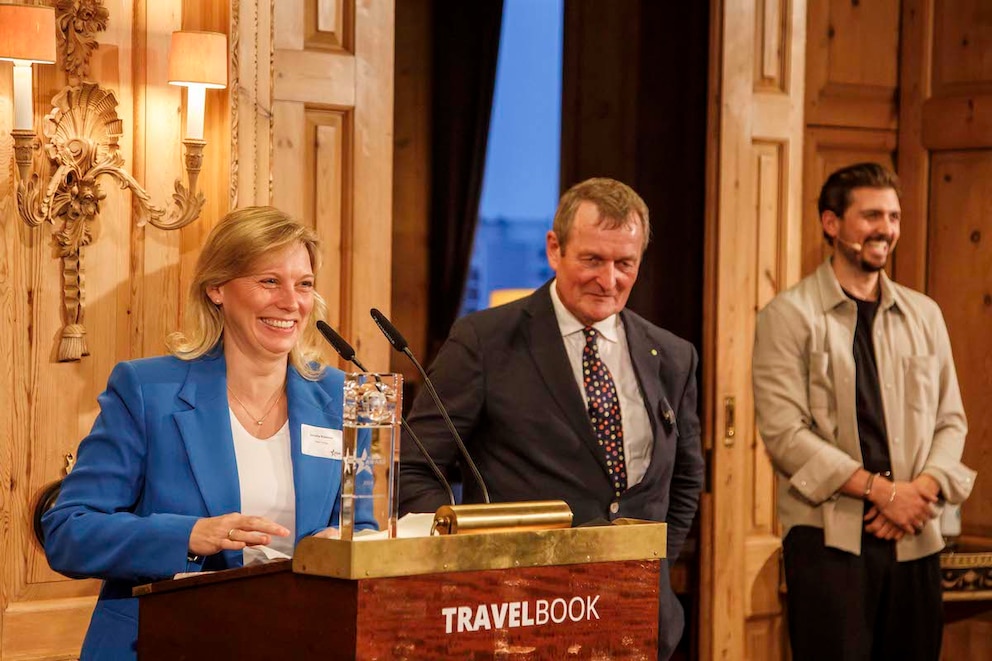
x=465, y=48
x=634, y=107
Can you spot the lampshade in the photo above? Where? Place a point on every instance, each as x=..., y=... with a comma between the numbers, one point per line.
x=27, y=33
x=198, y=58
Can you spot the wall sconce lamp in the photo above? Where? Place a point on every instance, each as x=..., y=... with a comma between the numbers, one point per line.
x=198, y=62
x=81, y=134
x=27, y=36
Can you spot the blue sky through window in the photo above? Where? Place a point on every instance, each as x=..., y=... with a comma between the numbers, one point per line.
x=520, y=183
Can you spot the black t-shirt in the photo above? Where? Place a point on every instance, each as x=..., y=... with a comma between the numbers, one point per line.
x=868, y=392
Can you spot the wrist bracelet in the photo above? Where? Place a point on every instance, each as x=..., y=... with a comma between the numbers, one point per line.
x=871, y=480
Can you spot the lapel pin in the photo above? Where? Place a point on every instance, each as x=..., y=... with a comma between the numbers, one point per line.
x=654, y=352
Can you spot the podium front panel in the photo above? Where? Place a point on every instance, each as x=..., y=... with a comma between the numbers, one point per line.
x=589, y=611
x=581, y=593
x=586, y=611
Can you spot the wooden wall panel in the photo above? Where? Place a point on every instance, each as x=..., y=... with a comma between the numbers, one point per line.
x=915, y=59
x=771, y=275
x=330, y=147
x=252, y=79
x=852, y=61
x=311, y=156
x=371, y=180
x=952, y=156
x=289, y=163
x=328, y=25
x=960, y=279
x=962, y=31
x=771, y=69
x=762, y=544
x=945, y=160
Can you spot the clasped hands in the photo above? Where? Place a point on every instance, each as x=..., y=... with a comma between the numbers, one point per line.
x=907, y=512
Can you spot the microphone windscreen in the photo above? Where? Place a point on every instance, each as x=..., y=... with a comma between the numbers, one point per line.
x=394, y=336
x=344, y=349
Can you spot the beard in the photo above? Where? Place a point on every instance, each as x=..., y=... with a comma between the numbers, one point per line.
x=857, y=258
x=869, y=267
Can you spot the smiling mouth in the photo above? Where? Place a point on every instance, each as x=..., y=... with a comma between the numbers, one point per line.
x=878, y=240
x=877, y=246
x=279, y=323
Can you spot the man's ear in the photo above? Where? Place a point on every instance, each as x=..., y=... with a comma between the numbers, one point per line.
x=830, y=223
x=553, y=250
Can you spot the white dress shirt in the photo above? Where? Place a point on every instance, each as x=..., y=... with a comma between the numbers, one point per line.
x=611, y=341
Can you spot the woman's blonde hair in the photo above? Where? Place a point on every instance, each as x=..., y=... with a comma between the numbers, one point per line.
x=232, y=247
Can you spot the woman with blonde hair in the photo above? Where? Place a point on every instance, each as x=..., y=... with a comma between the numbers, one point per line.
x=200, y=459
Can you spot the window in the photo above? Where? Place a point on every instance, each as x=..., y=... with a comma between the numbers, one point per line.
x=520, y=183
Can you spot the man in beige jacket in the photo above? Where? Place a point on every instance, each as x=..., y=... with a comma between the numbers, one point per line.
x=858, y=405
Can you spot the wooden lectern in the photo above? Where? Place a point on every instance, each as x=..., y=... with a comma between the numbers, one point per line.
x=574, y=593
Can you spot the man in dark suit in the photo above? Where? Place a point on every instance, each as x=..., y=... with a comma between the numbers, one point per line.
x=567, y=395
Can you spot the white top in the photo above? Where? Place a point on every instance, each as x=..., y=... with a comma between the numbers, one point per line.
x=265, y=475
x=611, y=341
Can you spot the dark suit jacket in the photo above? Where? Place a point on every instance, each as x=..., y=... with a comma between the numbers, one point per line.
x=505, y=378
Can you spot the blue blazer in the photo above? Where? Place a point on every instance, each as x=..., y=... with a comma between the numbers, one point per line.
x=160, y=456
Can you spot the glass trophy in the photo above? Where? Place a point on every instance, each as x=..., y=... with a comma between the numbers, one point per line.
x=371, y=453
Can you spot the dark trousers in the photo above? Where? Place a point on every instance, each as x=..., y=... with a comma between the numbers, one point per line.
x=844, y=607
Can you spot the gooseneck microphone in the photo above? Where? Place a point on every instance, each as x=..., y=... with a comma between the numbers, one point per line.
x=399, y=343
x=347, y=352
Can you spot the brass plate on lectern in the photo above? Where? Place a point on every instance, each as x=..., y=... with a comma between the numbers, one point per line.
x=499, y=550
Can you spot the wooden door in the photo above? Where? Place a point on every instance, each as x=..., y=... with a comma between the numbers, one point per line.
x=314, y=138
x=753, y=235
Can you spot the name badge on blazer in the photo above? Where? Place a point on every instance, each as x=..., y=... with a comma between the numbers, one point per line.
x=668, y=416
x=321, y=442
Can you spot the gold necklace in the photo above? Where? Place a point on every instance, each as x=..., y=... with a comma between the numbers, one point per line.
x=272, y=402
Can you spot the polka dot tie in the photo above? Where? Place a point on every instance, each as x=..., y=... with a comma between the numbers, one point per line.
x=604, y=410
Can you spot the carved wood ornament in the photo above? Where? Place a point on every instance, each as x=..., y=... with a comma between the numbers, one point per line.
x=81, y=136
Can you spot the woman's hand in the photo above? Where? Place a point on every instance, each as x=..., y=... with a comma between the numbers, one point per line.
x=232, y=532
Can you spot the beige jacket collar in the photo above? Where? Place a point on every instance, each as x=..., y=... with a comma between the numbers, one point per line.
x=832, y=295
